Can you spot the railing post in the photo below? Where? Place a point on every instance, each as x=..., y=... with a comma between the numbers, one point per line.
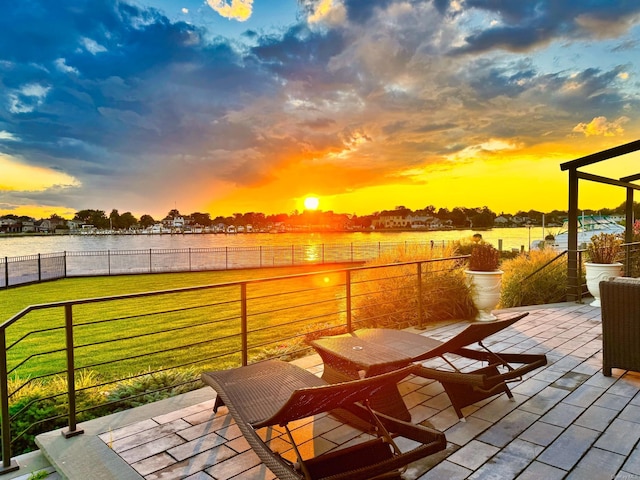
x=323, y=253
x=71, y=374
x=39, y=269
x=243, y=323
x=578, y=281
x=226, y=258
x=64, y=264
x=150, y=262
x=108, y=262
x=293, y=254
x=260, y=250
x=6, y=272
x=347, y=284
x=8, y=464
x=189, y=258
x=419, y=265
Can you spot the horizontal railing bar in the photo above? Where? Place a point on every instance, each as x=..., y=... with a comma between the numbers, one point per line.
x=123, y=399
x=34, y=401
x=154, y=313
x=147, y=334
x=146, y=373
x=33, y=332
x=148, y=354
x=300, y=320
x=33, y=379
x=34, y=355
x=291, y=292
x=56, y=417
x=295, y=307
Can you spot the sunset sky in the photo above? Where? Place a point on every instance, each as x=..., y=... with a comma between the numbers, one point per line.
x=234, y=106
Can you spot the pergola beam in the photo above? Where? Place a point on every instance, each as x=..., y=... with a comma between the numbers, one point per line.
x=608, y=181
x=631, y=178
x=603, y=155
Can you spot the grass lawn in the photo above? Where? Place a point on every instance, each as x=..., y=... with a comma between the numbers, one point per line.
x=186, y=328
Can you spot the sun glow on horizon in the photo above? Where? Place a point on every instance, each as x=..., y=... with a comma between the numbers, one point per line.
x=311, y=203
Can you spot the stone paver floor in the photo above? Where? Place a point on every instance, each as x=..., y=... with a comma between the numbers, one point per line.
x=567, y=420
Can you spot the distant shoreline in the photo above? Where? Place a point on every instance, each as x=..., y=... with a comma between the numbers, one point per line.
x=386, y=230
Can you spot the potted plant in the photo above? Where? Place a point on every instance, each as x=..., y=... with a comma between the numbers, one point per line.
x=485, y=279
x=602, y=262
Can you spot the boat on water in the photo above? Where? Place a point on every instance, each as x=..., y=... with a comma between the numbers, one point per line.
x=588, y=226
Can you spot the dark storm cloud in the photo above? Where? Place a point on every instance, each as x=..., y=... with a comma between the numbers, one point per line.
x=591, y=89
x=359, y=11
x=526, y=25
x=300, y=53
x=95, y=84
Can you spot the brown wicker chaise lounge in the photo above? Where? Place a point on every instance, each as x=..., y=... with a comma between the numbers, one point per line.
x=463, y=387
x=271, y=394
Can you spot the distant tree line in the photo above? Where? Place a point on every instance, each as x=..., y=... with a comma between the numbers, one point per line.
x=459, y=217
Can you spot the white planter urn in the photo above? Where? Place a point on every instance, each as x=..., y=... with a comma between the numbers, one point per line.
x=485, y=291
x=597, y=272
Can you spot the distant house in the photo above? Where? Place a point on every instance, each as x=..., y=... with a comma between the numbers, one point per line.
x=45, y=226
x=73, y=225
x=393, y=219
x=50, y=225
x=436, y=223
x=28, y=226
x=418, y=221
x=8, y=225
x=502, y=221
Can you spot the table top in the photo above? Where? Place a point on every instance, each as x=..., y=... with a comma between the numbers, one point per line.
x=358, y=352
x=413, y=345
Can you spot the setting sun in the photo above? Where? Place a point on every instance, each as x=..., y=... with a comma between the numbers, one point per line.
x=311, y=203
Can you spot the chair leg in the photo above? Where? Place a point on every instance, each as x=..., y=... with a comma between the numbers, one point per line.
x=218, y=403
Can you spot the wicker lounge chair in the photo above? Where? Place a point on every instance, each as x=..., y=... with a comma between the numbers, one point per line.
x=620, y=302
x=273, y=393
x=463, y=387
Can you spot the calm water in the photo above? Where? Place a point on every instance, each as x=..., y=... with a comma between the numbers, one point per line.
x=19, y=246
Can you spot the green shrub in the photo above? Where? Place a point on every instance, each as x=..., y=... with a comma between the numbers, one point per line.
x=41, y=406
x=388, y=297
x=38, y=475
x=523, y=284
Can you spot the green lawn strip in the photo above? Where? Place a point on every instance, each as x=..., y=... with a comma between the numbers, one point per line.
x=102, y=328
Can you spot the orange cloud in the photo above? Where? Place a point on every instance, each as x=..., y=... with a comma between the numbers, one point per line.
x=600, y=126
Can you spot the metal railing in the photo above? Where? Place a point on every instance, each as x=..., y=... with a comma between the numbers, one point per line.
x=52, y=266
x=80, y=349
x=631, y=259
x=577, y=285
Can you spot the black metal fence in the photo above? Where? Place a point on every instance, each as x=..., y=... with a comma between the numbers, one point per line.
x=51, y=266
